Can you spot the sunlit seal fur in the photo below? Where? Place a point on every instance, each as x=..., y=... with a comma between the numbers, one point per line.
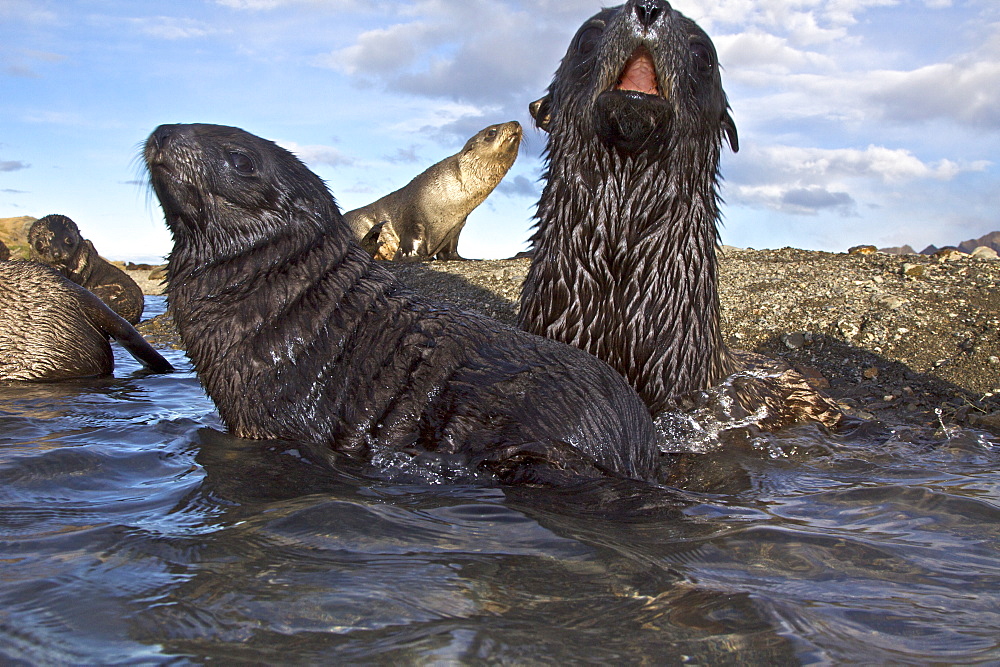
x=427, y=214
x=53, y=329
x=296, y=334
x=55, y=240
x=624, y=255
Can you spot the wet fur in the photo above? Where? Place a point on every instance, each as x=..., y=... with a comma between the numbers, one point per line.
x=424, y=218
x=53, y=329
x=296, y=334
x=624, y=253
x=55, y=240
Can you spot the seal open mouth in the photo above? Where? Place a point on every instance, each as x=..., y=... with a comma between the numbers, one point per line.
x=639, y=74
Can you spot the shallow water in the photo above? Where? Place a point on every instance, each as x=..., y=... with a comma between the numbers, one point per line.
x=132, y=529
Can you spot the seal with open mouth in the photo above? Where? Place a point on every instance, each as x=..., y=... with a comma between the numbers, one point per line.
x=624, y=254
x=297, y=334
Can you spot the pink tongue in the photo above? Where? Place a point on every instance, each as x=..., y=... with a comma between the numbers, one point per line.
x=639, y=74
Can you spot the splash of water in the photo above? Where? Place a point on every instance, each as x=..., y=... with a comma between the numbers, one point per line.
x=716, y=413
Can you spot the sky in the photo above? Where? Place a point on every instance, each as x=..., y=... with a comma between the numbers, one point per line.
x=860, y=121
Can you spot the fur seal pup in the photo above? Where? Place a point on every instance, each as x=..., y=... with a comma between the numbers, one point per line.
x=4, y=252
x=55, y=240
x=53, y=329
x=427, y=214
x=624, y=253
x=296, y=334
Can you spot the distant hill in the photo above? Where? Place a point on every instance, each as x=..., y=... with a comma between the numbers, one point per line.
x=991, y=240
x=14, y=234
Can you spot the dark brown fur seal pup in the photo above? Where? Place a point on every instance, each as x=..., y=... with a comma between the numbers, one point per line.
x=4, y=252
x=427, y=214
x=53, y=329
x=296, y=334
x=624, y=255
x=55, y=240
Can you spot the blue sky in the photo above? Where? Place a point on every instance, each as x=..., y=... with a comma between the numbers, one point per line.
x=861, y=121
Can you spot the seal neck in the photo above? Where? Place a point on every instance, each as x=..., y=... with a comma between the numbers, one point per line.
x=625, y=264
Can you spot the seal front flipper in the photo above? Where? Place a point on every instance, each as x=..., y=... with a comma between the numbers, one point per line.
x=114, y=325
x=449, y=248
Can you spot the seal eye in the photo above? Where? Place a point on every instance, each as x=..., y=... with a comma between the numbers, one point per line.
x=588, y=40
x=491, y=135
x=702, y=57
x=242, y=163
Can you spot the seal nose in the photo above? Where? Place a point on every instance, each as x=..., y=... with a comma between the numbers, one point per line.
x=647, y=11
x=162, y=134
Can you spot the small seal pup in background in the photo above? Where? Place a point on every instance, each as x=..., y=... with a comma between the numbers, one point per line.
x=624, y=253
x=425, y=217
x=53, y=329
x=296, y=334
x=55, y=240
x=4, y=252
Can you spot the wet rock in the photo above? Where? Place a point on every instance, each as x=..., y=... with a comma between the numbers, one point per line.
x=794, y=341
x=990, y=422
x=891, y=301
x=862, y=250
x=949, y=255
x=849, y=330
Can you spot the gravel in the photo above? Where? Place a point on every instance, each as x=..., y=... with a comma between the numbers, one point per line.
x=909, y=339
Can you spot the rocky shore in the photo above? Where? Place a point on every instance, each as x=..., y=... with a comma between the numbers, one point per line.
x=902, y=338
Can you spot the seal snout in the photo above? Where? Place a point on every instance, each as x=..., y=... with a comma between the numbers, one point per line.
x=648, y=11
x=161, y=136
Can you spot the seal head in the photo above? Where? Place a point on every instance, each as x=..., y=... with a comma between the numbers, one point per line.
x=636, y=76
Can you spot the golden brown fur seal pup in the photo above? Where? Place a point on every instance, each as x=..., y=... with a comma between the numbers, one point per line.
x=53, y=329
x=624, y=255
x=297, y=334
x=55, y=240
x=424, y=218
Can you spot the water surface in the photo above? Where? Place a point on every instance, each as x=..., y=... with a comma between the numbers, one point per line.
x=134, y=530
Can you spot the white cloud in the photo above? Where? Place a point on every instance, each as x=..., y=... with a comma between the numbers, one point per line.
x=262, y=5
x=806, y=180
x=757, y=50
x=169, y=27
x=317, y=154
x=966, y=91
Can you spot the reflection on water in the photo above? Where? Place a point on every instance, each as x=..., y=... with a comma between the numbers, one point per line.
x=133, y=530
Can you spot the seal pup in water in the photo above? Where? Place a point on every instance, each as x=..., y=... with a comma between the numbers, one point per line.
x=297, y=334
x=425, y=217
x=56, y=240
x=53, y=329
x=624, y=253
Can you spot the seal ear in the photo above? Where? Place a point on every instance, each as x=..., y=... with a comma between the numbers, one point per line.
x=730, y=127
x=541, y=112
